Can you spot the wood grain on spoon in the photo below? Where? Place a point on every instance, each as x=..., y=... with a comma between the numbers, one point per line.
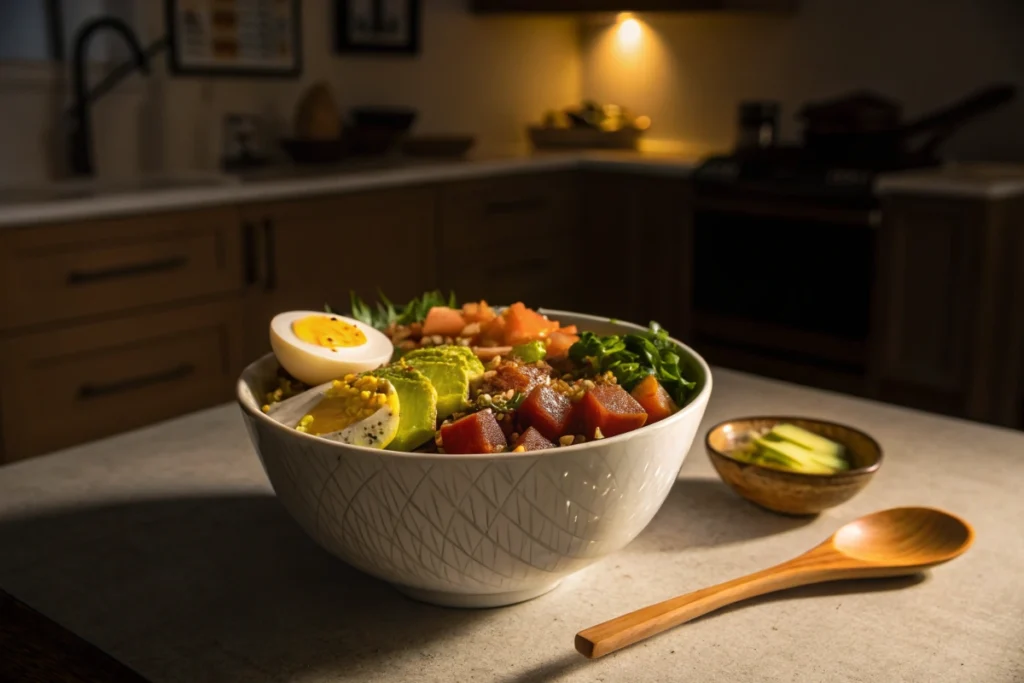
x=894, y=542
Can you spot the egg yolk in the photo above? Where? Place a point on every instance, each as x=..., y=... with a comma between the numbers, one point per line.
x=328, y=331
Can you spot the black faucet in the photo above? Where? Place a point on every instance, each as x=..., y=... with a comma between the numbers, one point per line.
x=80, y=138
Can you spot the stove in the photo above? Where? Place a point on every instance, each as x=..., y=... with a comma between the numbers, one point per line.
x=791, y=173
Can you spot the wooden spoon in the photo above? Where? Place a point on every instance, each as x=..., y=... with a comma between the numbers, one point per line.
x=894, y=542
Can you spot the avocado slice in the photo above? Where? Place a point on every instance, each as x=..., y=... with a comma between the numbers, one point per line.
x=451, y=380
x=462, y=354
x=791, y=456
x=808, y=440
x=417, y=406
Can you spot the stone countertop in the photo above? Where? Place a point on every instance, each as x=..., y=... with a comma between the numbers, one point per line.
x=984, y=181
x=296, y=182
x=977, y=180
x=166, y=548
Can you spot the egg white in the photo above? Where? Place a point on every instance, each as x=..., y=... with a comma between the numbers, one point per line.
x=314, y=364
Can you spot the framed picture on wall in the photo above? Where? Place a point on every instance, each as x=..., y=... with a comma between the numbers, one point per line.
x=377, y=26
x=234, y=37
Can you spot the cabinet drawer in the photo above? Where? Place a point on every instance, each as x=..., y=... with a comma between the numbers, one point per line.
x=56, y=273
x=486, y=214
x=89, y=381
x=512, y=238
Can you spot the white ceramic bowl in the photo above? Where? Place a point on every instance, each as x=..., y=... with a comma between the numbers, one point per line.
x=475, y=530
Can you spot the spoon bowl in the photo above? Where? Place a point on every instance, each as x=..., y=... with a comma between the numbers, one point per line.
x=910, y=538
x=894, y=542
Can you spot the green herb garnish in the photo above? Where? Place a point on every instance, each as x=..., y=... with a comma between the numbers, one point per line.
x=631, y=357
x=386, y=313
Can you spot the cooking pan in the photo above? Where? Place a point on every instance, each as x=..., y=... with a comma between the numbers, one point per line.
x=867, y=130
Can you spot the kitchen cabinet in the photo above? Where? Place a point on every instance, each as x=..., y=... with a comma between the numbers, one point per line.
x=633, y=5
x=641, y=228
x=513, y=238
x=302, y=254
x=948, y=327
x=72, y=384
x=61, y=273
x=110, y=324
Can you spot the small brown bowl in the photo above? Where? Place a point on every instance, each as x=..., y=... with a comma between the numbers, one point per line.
x=793, y=493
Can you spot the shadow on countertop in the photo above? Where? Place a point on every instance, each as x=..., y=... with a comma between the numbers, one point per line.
x=705, y=513
x=155, y=582
x=557, y=668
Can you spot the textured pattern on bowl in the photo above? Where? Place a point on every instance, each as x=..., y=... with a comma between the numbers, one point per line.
x=793, y=492
x=474, y=530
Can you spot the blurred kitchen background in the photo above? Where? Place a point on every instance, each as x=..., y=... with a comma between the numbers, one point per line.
x=830, y=193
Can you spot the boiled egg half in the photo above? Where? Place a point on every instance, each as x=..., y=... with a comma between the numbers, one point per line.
x=316, y=347
x=359, y=410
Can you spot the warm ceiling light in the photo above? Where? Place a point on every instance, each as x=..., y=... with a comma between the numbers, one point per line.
x=628, y=31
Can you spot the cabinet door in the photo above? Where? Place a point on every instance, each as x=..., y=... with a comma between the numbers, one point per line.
x=661, y=253
x=933, y=303
x=512, y=238
x=639, y=228
x=307, y=253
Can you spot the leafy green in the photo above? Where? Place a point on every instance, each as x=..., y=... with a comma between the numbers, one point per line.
x=385, y=313
x=631, y=357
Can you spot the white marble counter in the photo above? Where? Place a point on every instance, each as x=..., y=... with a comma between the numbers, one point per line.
x=166, y=548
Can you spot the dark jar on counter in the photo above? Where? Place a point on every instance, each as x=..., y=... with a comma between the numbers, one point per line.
x=758, y=125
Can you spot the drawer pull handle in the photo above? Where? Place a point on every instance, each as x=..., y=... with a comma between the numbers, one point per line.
x=269, y=255
x=84, y=277
x=249, y=246
x=90, y=391
x=516, y=205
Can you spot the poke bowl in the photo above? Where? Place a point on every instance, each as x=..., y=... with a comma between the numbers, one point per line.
x=476, y=529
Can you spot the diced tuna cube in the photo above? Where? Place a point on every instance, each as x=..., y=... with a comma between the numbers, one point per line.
x=531, y=440
x=518, y=377
x=611, y=409
x=547, y=411
x=475, y=433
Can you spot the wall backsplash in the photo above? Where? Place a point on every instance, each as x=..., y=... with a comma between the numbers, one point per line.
x=484, y=76
x=688, y=72
x=490, y=75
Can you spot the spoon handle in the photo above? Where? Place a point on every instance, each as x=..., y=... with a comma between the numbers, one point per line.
x=627, y=629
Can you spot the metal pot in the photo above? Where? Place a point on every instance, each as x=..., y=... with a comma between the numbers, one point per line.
x=863, y=129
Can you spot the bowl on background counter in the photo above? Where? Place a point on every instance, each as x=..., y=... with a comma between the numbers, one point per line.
x=784, y=491
x=475, y=530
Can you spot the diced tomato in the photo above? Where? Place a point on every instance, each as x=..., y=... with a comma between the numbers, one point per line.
x=559, y=343
x=611, y=409
x=655, y=400
x=568, y=329
x=444, y=321
x=547, y=411
x=524, y=325
x=493, y=333
x=532, y=440
x=475, y=433
x=480, y=312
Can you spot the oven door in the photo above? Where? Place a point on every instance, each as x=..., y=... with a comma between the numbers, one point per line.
x=784, y=289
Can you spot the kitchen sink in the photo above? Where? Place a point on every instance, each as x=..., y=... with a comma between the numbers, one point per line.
x=67, y=190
